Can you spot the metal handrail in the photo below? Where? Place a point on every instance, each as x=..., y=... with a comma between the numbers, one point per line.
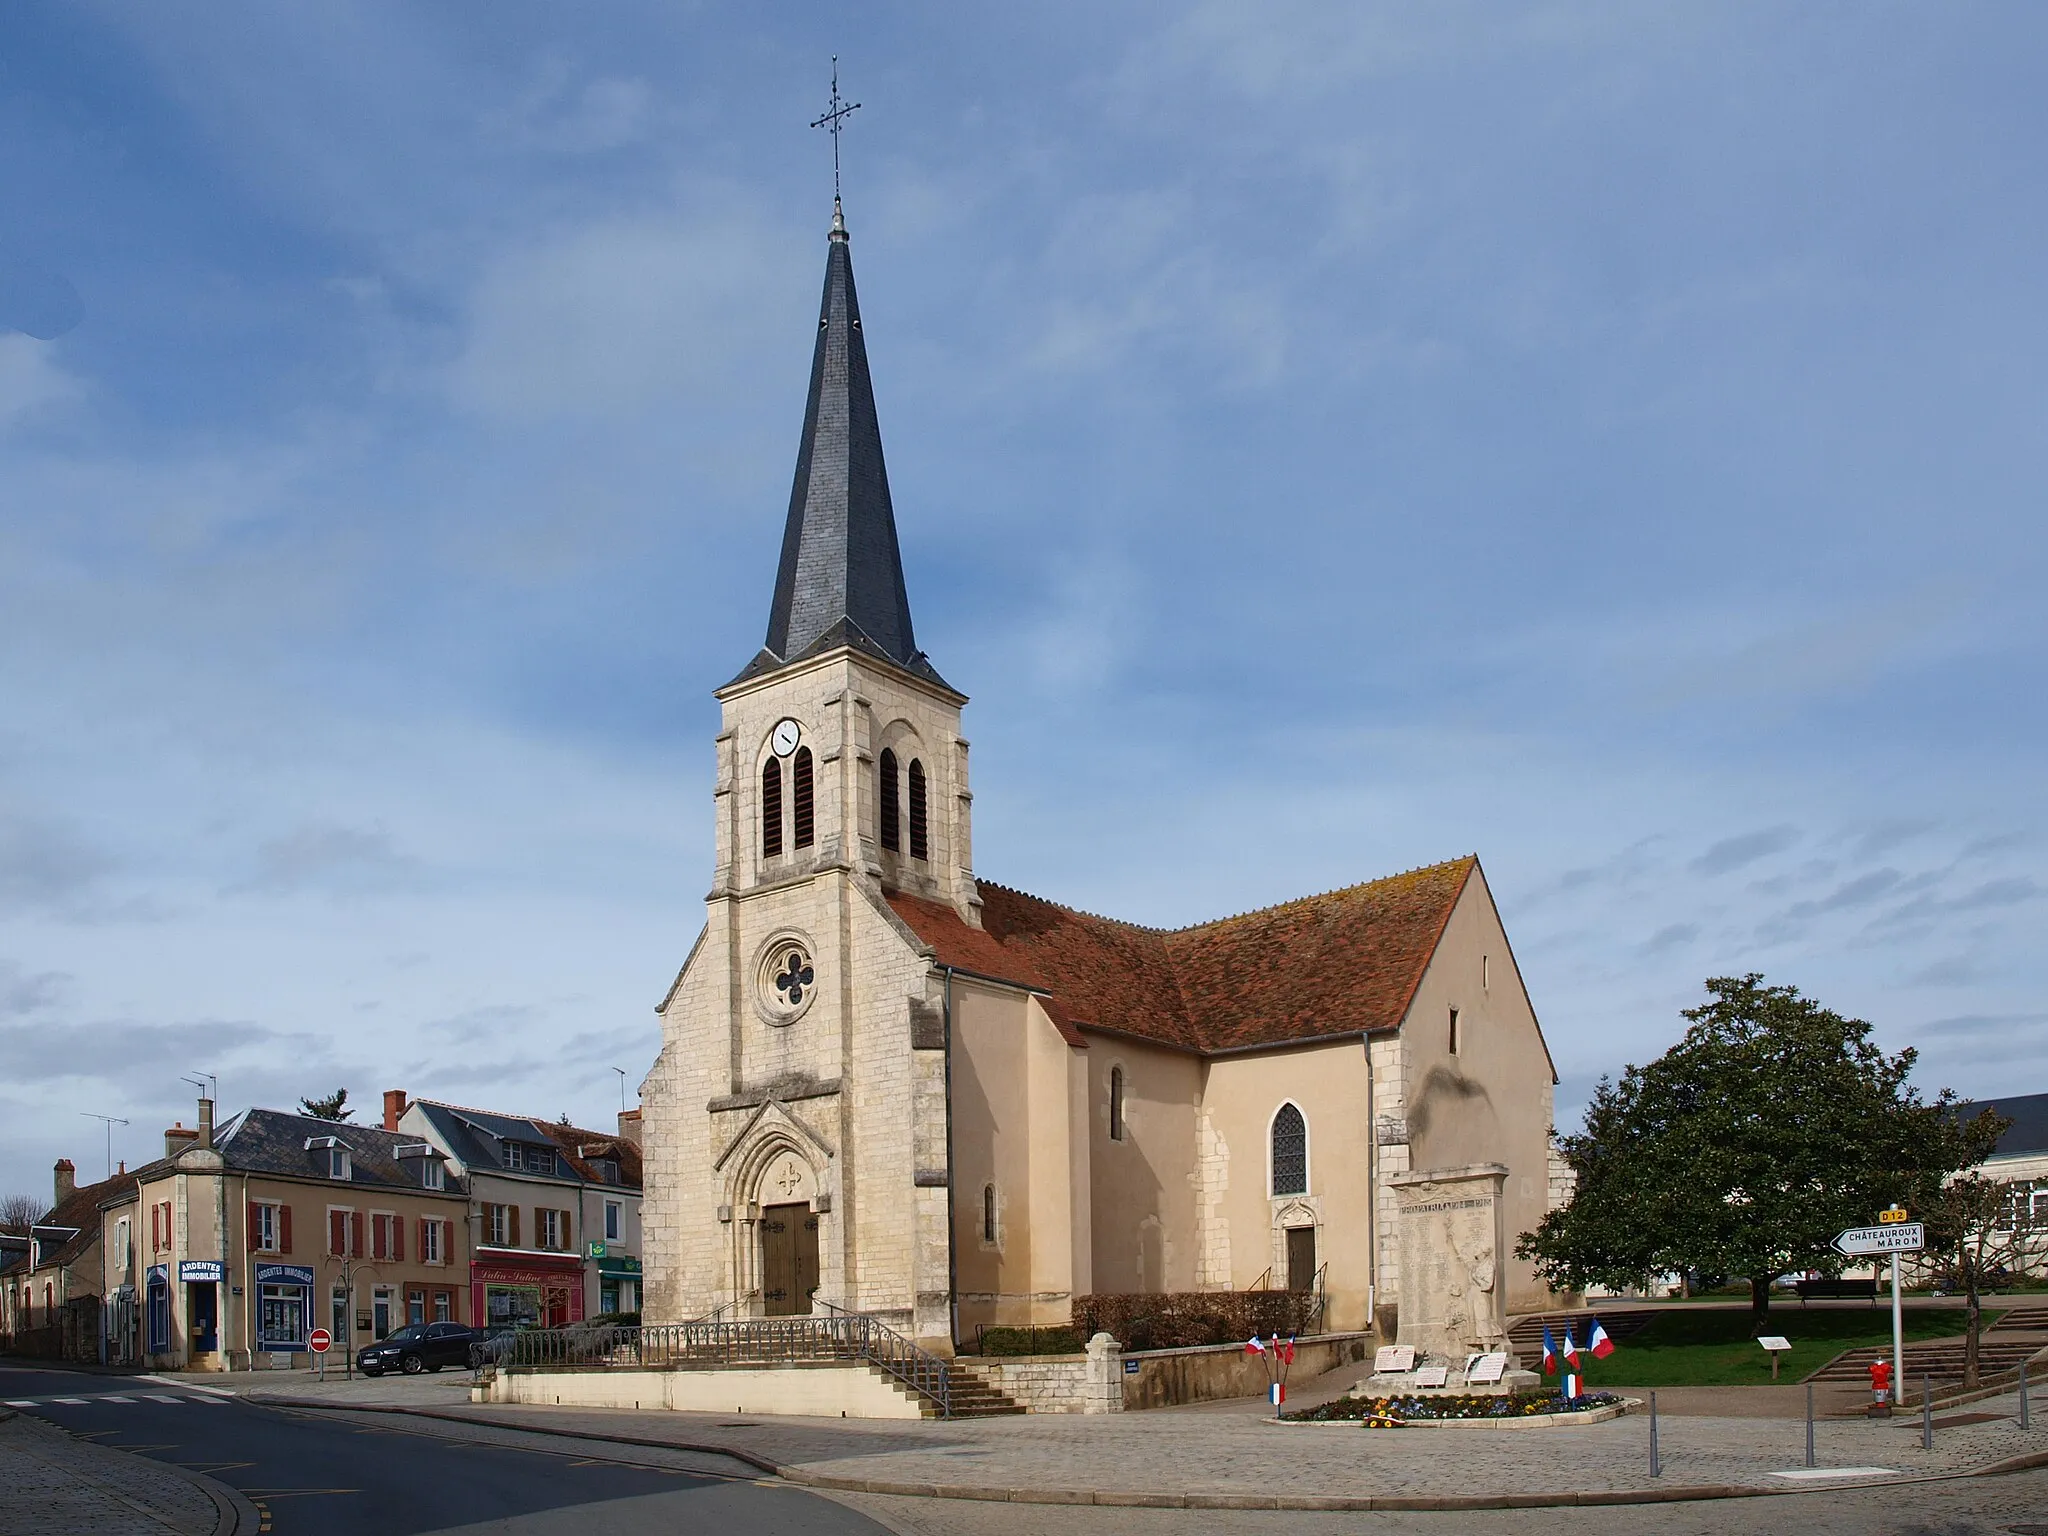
x=840, y=1335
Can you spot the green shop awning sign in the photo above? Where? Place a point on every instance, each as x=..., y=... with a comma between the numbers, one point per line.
x=609, y=1263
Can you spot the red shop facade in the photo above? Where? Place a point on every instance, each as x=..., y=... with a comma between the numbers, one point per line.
x=514, y=1288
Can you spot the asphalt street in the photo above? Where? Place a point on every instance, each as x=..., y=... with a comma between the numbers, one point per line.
x=309, y=1474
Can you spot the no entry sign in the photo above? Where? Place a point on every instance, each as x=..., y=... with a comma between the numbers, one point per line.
x=319, y=1341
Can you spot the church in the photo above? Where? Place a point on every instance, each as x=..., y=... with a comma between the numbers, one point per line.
x=890, y=1085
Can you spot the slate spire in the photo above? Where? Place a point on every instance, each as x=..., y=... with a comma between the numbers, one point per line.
x=841, y=577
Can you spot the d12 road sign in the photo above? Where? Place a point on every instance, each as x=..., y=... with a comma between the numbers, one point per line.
x=319, y=1341
x=1900, y=1237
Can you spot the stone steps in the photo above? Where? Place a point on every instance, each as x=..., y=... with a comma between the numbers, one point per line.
x=972, y=1397
x=1943, y=1359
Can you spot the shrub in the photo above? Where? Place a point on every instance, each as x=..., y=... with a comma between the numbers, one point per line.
x=1031, y=1341
x=1179, y=1319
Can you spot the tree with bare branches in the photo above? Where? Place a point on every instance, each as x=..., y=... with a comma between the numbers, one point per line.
x=1981, y=1232
x=20, y=1212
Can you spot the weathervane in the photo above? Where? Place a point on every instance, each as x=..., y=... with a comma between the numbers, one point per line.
x=836, y=114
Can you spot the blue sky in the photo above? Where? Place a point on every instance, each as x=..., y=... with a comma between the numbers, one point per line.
x=1326, y=439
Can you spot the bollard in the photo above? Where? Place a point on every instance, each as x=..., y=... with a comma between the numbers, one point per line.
x=2023, y=1395
x=1656, y=1466
x=1809, y=1423
x=1926, y=1413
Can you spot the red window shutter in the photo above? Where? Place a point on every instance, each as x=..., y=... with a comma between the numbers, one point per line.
x=255, y=1226
x=284, y=1229
x=398, y=1239
x=337, y=1233
x=355, y=1222
x=380, y=1241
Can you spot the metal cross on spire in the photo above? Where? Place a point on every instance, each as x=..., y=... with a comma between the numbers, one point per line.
x=836, y=114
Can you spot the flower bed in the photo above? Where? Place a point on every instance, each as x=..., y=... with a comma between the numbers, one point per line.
x=1401, y=1408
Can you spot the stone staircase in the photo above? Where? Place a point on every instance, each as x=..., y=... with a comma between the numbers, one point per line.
x=1941, y=1359
x=972, y=1397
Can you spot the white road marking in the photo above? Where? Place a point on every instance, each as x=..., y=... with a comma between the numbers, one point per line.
x=1804, y=1474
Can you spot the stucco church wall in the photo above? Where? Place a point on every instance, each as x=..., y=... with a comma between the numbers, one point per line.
x=1327, y=1083
x=992, y=1111
x=1143, y=1189
x=1491, y=1101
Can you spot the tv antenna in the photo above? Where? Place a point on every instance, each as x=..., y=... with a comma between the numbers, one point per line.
x=112, y=1121
x=622, y=1088
x=837, y=111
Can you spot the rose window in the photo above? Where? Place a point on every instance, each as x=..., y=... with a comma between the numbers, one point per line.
x=793, y=976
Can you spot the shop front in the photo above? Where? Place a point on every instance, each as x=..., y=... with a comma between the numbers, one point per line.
x=618, y=1280
x=526, y=1290
x=284, y=1306
x=202, y=1280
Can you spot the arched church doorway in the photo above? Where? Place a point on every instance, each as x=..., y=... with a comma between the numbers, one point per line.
x=789, y=1259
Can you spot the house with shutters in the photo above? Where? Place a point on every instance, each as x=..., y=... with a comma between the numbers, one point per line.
x=229, y=1250
x=555, y=1209
x=51, y=1280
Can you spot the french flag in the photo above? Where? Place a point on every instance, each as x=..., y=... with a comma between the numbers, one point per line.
x=1573, y=1387
x=1549, y=1351
x=1571, y=1351
x=1597, y=1341
x=1279, y=1393
x=1252, y=1346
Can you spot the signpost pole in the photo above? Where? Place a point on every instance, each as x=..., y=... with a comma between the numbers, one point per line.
x=1898, y=1327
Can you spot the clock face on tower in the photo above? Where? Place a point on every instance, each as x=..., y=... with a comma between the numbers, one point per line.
x=787, y=735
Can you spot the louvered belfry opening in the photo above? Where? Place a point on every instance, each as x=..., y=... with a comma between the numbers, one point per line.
x=771, y=808
x=804, y=820
x=892, y=815
x=1290, y=1152
x=920, y=839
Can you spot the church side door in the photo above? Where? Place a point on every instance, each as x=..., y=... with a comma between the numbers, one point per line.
x=1301, y=1258
x=789, y=1260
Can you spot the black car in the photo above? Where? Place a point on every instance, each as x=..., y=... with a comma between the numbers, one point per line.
x=418, y=1347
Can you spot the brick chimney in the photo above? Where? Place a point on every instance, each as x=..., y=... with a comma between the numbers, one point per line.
x=67, y=1180
x=206, y=1124
x=177, y=1139
x=629, y=1126
x=395, y=1106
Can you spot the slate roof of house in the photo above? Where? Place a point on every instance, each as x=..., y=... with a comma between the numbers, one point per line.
x=1346, y=962
x=273, y=1141
x=840, y=582
x=80, y=1211
x=473, y=1136
x=2028, y=1113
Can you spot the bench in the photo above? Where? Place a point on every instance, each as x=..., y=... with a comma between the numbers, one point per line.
x=1844, y=1290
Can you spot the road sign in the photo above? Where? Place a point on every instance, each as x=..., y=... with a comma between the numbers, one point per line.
x=319, y=1341
x=1896, y=1214
x=1900, y=1237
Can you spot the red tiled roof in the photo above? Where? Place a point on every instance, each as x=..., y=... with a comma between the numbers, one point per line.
x=81, y=1212
x=1344, y=962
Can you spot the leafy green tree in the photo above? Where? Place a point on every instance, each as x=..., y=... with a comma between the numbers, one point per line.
x=333, y=1107
x=1769, y=1127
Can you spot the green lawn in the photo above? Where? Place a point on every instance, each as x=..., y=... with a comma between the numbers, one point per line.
x=1719, y=1348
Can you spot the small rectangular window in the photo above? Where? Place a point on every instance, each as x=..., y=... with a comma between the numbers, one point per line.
x=611, y=1221
x=1454, y=1031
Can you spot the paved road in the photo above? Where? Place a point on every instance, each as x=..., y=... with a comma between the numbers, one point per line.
x=313, y=1476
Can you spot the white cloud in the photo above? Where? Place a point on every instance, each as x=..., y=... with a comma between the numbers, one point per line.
x=32, y=383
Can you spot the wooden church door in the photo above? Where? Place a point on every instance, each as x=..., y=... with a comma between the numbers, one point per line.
x=1301, y=1258
x=789, y=1260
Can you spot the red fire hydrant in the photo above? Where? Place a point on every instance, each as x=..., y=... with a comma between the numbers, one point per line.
x=1881, y=1387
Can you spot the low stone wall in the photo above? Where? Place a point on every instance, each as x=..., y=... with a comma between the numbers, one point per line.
x=1084, y=1383
x=824, y=1391
x=1166, y=1378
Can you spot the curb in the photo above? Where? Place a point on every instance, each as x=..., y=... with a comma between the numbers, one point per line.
x=1120, y=1499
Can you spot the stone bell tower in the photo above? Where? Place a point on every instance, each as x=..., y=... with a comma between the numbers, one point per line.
x=794, y=1145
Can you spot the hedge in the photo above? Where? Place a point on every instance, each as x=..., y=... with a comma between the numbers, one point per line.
x=1179, y=1319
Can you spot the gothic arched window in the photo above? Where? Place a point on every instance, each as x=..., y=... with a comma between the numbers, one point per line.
x=1290, y=1152
x=920, y=841
x=771, y=808
x=805, y=817
x=1116, y=1103
x=988, y=1213
x=892, y=815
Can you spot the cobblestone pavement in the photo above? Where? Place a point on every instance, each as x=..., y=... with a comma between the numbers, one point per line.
x=1990, y=1506
x=60, y=1486
x=1244, y=1453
